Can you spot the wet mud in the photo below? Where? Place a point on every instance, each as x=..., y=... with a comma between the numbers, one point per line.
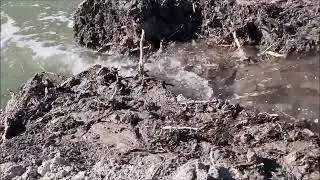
x=279, y=27
x=101, y=125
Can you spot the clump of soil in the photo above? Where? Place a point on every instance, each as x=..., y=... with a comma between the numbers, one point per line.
x=278, y=26
x=98, y=124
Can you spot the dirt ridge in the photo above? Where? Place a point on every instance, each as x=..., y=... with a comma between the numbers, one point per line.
x=282, y=27
x=98, y=124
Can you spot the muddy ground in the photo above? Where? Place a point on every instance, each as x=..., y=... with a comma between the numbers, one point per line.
x=279, y=26
x=100, y=125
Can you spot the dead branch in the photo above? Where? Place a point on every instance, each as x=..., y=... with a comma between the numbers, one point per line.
x=116, y=87
x=179, y=128
x=197, y=102
x=236, y=40
x=138, y=48
x=264, y=51
x=275, y=54
x=241, y=52
x=141, y=61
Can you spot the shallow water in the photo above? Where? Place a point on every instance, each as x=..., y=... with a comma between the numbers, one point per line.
x=37, y=36
x=287, y=86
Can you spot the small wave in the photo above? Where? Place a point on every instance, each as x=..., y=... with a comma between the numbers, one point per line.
x=35, y=5
x=59, y=17
x=8, y=29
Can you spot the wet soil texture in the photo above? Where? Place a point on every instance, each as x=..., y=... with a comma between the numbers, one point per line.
x=100, y=125
x=278, y=26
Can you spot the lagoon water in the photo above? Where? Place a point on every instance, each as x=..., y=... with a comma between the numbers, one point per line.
x=36, y=36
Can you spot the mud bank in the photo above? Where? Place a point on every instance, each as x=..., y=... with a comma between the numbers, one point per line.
x=278, y=26
x=98, y=124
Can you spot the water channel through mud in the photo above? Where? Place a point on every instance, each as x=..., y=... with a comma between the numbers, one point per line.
x=285, y=86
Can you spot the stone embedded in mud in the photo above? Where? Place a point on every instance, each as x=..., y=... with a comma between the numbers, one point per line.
x=13, y=171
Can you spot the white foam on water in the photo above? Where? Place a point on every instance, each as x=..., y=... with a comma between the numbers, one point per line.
x=38, y=48
x=51, y=32
x=74, y=62
x=70, y=24
x=40, y=52
x=188, y=83
x=9, y=32
x=35, y=5
x=8, y=29
x=59, y=17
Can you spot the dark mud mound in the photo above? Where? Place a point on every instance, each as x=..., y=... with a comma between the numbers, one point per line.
x=277, y=26
x=100, y=125
x=117, y=24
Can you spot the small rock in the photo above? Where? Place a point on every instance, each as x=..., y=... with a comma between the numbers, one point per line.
x=213, y=172
x=202, y=172
x=308, y=132
x=181, y=98
x=14, y=171
x=290, y=158
x=44, y=168
x=251, y=156
x=64, y=172
x=186, y=171
x=80, y=175
x=218, y=172
x=57, y=161
x=31, y=173
x=245, y=138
